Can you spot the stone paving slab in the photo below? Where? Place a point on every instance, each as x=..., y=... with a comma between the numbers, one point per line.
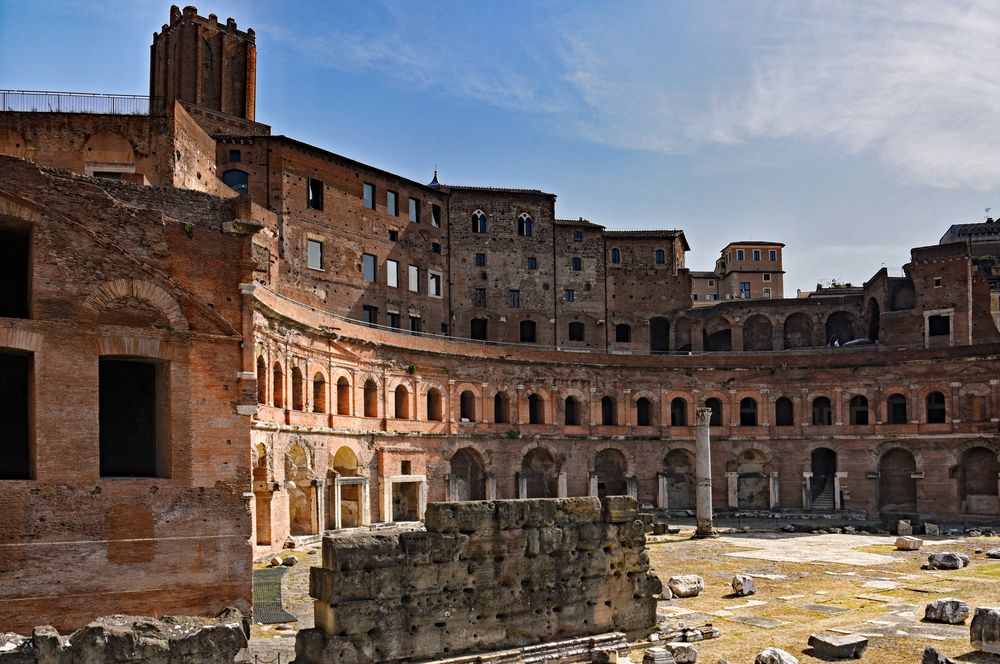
x=824, y=608
x=803, y=548
x=757, y=621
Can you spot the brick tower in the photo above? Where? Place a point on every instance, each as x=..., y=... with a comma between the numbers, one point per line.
x=200, y=61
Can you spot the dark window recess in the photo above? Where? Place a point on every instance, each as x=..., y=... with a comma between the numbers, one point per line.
x=14, y=250
x=480, y=300
x=414, y=323
x=128, y=419
x=532, y=263
x=393, y=319
x=406, y=468
x=478, y=329
x=480, y=260
x=315, y=194
x=525, y=226
x=528, y=331
x=576, y=331
x=235, y=156
x=369, y=314
x=237, y=181
x=15, y=461
x=623, y=333
x=577, y=236
x=436, y=216
x=108, y=175
x=784, y=412
x=577, y=264
x=393, y=236
x=939, y=326
x=436, y=247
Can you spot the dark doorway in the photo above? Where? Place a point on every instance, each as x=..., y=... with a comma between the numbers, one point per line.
x=541, y=475
x=610, y=468
x=897, y=489
x=659, y=335
x=15, y=458
x=14, y=252
x=824, y=467
x=128, y=422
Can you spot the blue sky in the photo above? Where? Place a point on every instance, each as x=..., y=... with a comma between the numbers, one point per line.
x=849, y=131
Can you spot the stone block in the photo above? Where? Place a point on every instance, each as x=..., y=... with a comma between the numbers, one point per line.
x=659, y=528
x=620, y=509
x=984, y=632
x=744, y=585
x=903, y=527
x=993, y=553
x=686, y=585
x=465, y=516
x=657, y=656
x=931, y=529
x=932, y=656
x=840, y=646
x=683, y=653
x=947, y=560
x=775, y=656
x=908, y=543
x=948, y=610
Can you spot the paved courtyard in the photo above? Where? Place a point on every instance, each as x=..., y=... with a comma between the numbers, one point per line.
x=806, y=584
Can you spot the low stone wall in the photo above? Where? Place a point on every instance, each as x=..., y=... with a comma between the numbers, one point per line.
x=483, y=575
x=123, y=639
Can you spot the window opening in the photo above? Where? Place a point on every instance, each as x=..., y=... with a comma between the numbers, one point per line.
x=314, y=254
x=131, y=442
x=314, y=196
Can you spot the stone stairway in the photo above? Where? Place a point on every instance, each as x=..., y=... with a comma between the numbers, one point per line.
x=824, y=501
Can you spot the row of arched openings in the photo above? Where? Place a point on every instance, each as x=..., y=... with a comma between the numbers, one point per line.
x=525, y=224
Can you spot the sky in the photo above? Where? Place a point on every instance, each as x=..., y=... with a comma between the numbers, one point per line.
x=850, y=131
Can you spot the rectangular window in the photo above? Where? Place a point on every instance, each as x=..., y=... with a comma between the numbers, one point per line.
x=773, y=254
x=434, y=284
x=390, y=203
x=132, y=395
x=713, y=296
x=393, y=319
x=740, y=255
x=767, y=292
x=569, y=295
x=436, y=216
x=368, y=268
x=480, y=260
x=436, y=247
x=369, y=196
x=414, y=210
x=756, y=254
x=937, y=282
x=694, y=296
x=393, y=236
x=314, y=194
x=235, y=156
x=392, y=274
x=414, y=276
x=480, y=297
x=711, y=283
x=314, y=254
x=532, y=263
x=745, y=290
x=15, y=445
x=938, y=326
x=14, y=266
x=369, y=314
x=577, y=236
x=767, y=276
x=414, y=323
x=514, y=299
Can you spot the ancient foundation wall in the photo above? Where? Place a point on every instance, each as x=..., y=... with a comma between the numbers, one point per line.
x=483, y=575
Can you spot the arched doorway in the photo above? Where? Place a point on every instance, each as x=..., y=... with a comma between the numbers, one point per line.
x=824, y=468
x=466, y=478
x=752, y=490
x=678, y=466
x=717, y=335
x=301, y=493
x=840, y=328
x=541, y=474
x=897, y=489
x=758, y=333
x=977, y=482
x=797, y=332
x=345, y=464
x=609, y=465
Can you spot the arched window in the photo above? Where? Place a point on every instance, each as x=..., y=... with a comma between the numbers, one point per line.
x=278, y=383
x=478, y=222
x=525, y=225
x=297, y=394
x=536, y=410
x=343, y=396
x=402, y=402
x=576, y=331
x=528, y=331
x=936, y=411
x=748, y=412
x=623, y=333
x=319, y=393
x=784, y=412
x=467, y=406
x=501, y=408
x=608, y=415
x=571, y=412
x=371, y=398
x=577, y=264
x=643, y=412
x=660, y=257
x=716, y=406
x=678, y=412
x=858, y=410
x=822, y=411
x=237, y=181
x=434, y=404
x=616, y=255
x=896, y=405
x=261, y=380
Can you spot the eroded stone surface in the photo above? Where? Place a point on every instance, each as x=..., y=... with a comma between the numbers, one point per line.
x=844, y=646
x=744, y=585
x=775, y=656
x=686, y=585
x=947, y=610
x=908, y=543
x=984, y=632
x=947, y=560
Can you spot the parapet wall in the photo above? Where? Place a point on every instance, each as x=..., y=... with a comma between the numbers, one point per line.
x=483, y=575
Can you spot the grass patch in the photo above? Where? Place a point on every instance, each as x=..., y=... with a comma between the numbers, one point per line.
x=992, y=571
x=876, y=548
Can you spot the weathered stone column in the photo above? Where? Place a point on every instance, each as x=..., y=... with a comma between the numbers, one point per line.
x=703, y=474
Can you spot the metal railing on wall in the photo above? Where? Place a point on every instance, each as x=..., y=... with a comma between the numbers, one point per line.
x=40, y=101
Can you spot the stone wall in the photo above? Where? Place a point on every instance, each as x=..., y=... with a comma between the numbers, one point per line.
x=483, y=575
